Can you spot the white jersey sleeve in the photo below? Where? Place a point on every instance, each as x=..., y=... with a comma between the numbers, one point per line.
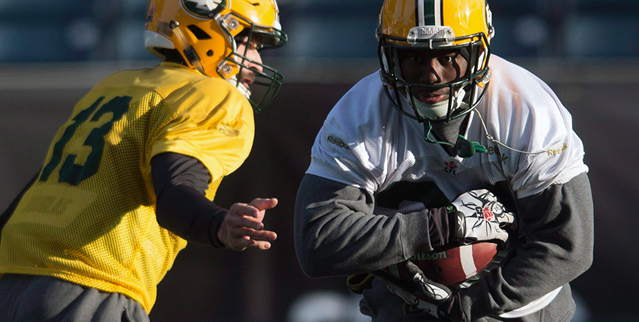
x=338, y=153
x=524, y=113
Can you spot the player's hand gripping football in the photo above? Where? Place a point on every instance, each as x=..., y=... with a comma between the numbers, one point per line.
x=243, y=228
x=427, y=295
x=479, y=216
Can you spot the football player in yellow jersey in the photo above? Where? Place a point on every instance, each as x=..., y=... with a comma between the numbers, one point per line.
x=132, y=175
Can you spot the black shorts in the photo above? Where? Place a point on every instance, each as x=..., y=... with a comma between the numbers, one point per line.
x=42, y=298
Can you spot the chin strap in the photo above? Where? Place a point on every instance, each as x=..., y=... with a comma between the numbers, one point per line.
x=465, y=148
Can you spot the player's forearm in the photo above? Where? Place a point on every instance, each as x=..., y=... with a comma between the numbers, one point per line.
x=337, y=233
x=180, y=183
x=558, y=225
x=187, y=213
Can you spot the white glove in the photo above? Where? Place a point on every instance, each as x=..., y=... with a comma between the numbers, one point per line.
x=422, y=293
x=480, y=217
x=429, y=296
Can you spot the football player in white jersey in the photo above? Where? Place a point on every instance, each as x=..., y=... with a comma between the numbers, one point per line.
x=444, y=120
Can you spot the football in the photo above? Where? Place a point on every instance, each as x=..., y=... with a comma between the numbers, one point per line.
x=450, y=265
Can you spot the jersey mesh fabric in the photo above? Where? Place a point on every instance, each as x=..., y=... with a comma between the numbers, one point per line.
x=90, y=218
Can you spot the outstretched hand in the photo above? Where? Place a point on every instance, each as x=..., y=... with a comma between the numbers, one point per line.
x=243, y=228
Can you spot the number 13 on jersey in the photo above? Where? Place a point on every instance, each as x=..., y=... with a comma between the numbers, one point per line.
x=71, y=172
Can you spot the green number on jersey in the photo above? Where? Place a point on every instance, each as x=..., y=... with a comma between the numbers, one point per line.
x=73, y=173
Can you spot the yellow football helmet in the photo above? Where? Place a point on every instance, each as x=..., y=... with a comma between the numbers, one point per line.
x=464, y=25
x=203, y=33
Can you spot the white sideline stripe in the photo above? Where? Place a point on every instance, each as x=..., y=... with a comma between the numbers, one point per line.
x=467, y=262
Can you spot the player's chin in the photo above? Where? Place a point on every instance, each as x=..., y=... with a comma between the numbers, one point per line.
x=432, y=99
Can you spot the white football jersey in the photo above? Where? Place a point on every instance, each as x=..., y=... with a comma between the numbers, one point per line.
x=367, y=143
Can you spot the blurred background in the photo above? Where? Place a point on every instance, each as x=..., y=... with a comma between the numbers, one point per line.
x=52, y=52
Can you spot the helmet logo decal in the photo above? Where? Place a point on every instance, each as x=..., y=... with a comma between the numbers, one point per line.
x=149, y=15
x=202, y=8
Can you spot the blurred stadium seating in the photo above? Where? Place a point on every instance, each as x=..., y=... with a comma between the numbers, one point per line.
x=51, y=52
x=46, y=31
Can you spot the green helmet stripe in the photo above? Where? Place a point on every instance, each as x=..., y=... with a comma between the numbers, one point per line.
x=428, y=12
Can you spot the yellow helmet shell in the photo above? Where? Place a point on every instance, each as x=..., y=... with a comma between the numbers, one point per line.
x=445, y=22
x=203, y=31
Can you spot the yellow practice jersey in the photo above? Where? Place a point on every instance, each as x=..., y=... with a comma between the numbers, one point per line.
x=90, y=216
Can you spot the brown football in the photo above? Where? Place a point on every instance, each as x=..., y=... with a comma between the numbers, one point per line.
x=452, y=265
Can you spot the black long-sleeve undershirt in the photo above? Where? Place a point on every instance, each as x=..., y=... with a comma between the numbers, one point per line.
x=180, y=183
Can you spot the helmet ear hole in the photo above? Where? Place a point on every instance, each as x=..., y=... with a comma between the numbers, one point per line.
x=171, y=55
x=198, y=33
